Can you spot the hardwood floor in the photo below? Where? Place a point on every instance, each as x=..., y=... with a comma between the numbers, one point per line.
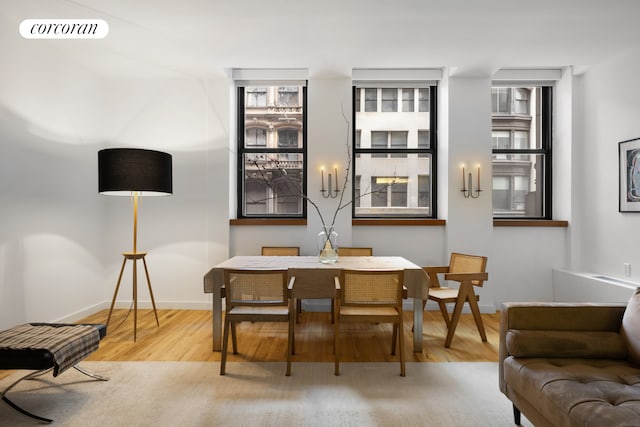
x=185, y=335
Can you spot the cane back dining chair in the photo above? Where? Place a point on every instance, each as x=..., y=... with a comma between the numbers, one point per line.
x=468, y=271
x=371, y=296
x=354, y=251
x=280, y=250
x=283, y=251
x=256, y=296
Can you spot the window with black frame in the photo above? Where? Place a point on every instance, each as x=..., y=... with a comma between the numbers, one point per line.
x=521, y=148
x=271, y=150
x=394, y=154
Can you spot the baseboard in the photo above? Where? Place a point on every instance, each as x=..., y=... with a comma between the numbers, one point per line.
x=164, y=305
x=81, y=314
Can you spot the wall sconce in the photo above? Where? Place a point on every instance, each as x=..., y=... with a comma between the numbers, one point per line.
x=467, y=189
x=329, y=191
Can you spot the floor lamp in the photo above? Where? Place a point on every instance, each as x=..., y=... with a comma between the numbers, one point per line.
x=134, y=172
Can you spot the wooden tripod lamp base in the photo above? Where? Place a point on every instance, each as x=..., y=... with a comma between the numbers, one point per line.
x=134, y=256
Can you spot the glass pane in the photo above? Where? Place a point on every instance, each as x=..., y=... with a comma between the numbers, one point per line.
x=500, y=100
x=256, y=137
x=389, y=100
x=394, y=186
x=378, y=194
x=424, y=193
x=288, y=96
x=356, y=191
x=370, y=100
x=272, y=109
x=423, y=100
x=399, y=142
x=256, y=96
x=398, y=190
x=272, y=183
x=287, y=138
x=407, y=100
x=521, y=100
x=379, y=140
x=518, y=186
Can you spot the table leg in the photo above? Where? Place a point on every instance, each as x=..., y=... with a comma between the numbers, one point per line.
x=217, y=318
x=417, y=325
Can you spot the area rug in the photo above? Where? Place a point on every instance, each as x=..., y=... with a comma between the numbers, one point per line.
x=259, y=394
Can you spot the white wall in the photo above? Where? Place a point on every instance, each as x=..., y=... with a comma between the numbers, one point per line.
x=60, y=242
x=607, y=98
x=51, y=262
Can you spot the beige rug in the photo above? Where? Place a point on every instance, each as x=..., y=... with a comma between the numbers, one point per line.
x=259, y=394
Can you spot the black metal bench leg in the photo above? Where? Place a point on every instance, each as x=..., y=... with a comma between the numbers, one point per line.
x=36, y=374
x=516, y=416
x=6, y=400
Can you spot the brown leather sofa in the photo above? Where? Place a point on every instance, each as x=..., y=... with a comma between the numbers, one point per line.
x=565, y=364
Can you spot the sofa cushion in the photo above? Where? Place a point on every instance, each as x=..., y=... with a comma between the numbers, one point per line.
x=630, y=328
x=578, y=392
x=603, y=345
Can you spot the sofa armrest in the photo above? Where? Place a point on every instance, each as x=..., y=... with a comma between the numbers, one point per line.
x=552, y=316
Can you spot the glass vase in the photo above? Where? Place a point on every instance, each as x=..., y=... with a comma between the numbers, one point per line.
x=328, y=246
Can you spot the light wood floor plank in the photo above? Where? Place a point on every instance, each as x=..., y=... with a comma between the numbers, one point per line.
x=185, y=335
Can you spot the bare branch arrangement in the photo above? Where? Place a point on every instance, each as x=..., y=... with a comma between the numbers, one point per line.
x=297, y=192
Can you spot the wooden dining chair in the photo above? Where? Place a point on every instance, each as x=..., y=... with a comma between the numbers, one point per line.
x=280, y=250
x=354, y=251
x=257, y=296
x=468, y=271
x=371, y=296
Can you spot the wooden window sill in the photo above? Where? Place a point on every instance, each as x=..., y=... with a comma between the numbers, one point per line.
x=399, y=222
x=529, y=223
x=268, y=221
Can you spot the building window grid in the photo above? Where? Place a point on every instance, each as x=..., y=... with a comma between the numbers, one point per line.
x=271, y=174
x=383, y=146
x=511, y=189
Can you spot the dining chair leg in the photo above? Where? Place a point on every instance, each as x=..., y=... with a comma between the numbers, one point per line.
x=473, y=303
x=292, y=321
x=455, y=317
x=336, y=345
x=394, y=338
x=290, y=341
x=333, y=313
x=234, y=337
x=445, y=313
x=401, y=344
x=225, y=343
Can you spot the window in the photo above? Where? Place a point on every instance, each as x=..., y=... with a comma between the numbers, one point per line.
x=521, y=148
x=370, y=100
x=395, y=151
x=407, y=100
x=390, y=100
x=271, y=151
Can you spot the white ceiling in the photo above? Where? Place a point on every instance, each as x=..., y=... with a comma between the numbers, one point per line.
x=330, y=37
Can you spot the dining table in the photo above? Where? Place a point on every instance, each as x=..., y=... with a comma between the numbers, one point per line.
x=315, y=280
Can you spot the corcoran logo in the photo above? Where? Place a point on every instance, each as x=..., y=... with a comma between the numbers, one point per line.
x=64, y=29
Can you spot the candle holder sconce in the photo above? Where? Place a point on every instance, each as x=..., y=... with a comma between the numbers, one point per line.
x=329, y=191
x=467, y=184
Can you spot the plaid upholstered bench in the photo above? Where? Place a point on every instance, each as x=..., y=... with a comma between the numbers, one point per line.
x=44, y=347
